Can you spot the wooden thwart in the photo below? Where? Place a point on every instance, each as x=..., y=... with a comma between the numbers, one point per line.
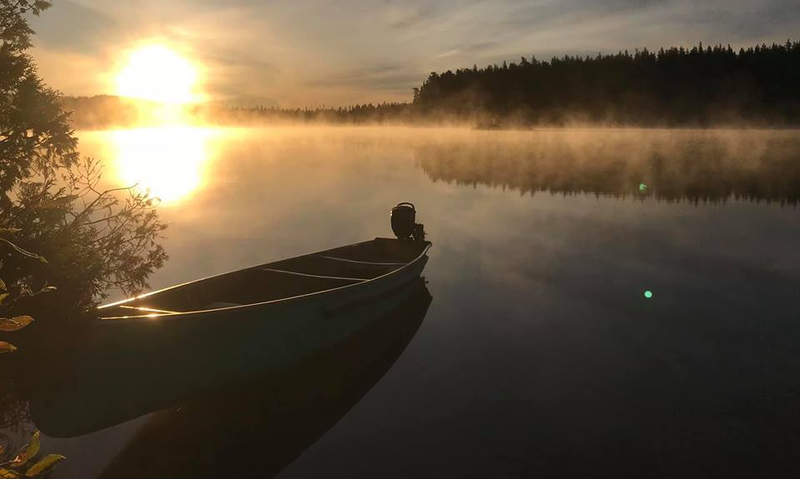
x=368, y=263
x=342, y=278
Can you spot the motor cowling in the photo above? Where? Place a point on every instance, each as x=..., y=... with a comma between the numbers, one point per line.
x=404, y=226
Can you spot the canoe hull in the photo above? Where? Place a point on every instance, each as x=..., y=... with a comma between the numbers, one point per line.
x=180, y=357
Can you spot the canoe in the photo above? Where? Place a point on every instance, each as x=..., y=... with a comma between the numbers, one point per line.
x=149, y=352
x=324, y=281
x=315, y=283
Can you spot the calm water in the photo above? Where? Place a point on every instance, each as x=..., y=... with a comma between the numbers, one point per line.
x=539, y=353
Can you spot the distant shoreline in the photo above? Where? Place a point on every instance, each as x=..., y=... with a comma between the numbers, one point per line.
x=698, y=88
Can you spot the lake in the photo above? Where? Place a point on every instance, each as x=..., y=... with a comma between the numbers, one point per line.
x=604, y=302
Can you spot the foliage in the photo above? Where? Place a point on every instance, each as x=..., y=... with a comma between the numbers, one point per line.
x=53, y=202
x=16, y=323
x=94, y=238
x=34, y=130
x=678, y=86
x=23, y=466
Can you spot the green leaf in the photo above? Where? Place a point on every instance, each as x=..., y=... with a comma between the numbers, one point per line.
x=6, y=347
x=4, y=231
x=3, y=297
x=8, y=474
x=47, y=463
x=28, y=452
x=14, y=324
x=3, y=285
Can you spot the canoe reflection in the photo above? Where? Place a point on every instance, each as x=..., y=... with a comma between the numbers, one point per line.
x=257, y=428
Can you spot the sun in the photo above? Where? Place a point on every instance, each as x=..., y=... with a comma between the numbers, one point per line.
x=157, y=73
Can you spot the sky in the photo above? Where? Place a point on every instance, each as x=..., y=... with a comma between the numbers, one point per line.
x=334, y=53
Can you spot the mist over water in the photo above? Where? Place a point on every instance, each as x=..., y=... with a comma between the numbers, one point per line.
x=672, y=165
x=540, y=351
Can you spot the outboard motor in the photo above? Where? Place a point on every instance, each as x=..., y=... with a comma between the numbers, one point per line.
x=403, y=217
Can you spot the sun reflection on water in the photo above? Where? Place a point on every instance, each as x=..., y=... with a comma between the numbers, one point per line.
x=169, y=161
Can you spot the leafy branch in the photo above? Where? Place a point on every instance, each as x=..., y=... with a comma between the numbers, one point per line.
x=16, y=323
x=19, y=466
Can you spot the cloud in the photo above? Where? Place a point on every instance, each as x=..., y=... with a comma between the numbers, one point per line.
x=68, y=25
x=411, y=15
x=381, y=77
x=472, y=49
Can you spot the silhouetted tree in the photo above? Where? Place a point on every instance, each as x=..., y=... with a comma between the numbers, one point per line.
x=51, y=201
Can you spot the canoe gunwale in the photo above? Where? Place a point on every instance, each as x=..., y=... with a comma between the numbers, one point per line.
x=151, y=317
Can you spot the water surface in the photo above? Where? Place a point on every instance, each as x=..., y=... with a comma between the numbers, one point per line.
x=539, y=353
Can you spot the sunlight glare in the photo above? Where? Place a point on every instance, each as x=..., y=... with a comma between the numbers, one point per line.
x=159, y=74
x=169, y=161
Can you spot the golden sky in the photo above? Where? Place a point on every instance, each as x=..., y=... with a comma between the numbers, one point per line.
x=312, y=53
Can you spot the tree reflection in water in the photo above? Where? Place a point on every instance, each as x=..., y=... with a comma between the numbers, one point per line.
x=697, y=166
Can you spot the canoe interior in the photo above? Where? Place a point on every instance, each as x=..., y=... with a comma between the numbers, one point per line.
x=274, y=281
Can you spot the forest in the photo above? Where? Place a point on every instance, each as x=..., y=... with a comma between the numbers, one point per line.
x=677, y=86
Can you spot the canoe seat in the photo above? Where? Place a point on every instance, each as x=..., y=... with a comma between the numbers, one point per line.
x=318, y=276
x=332, y=267
x=366, y=263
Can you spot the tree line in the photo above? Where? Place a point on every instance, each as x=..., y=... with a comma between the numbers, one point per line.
x=677, y=86
x=107, y=111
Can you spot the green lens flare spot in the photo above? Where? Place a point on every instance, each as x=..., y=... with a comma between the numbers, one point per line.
x=642, y=187
x=648, y=294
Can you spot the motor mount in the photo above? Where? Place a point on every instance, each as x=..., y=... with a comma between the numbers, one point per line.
x=403, y=223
